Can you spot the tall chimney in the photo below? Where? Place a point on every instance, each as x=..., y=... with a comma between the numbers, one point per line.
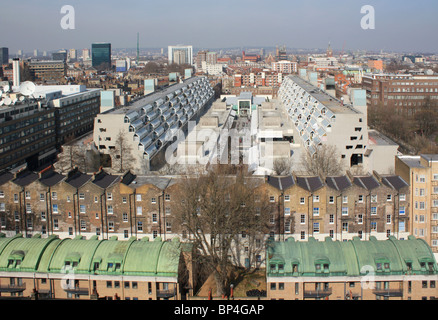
x=16, y=71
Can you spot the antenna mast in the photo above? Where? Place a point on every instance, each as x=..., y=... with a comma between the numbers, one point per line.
x=138, y=48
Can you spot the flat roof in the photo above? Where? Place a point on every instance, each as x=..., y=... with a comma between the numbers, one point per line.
x=377, y=138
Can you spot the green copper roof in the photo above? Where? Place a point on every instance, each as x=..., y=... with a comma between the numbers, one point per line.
x=349, y=258
x=93, y=256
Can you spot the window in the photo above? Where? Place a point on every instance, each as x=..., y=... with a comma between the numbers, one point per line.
x=139, y=211
x=316, y=211
x=345, y=226
x=110, y=225
x=286, y=198
x=422, y=205
x=138, y=197
x=42, y=196
x=83, y=225
x=422, y=178
x=271, y=199
x=434, y=203
x=374, y=198
x=43, y=215
x=302, y=200
x=95, y=199
x=81, y=196
x=153, y=200
x=402, y=210
x=167, y=197
x=15, y=197
x=287, y=211
x=373, y=226
x=54, y=208
x=402, y=197
x=302, y=219
x=332, y=219
x=389, y=197
x=54, y=196
x=435, y=176
x=316, y=227
x=82, y=208
x=27, y=193
x=110, y=209
x=139, y=226
x=287, y=226
x=168, y=227
x=331, y=199
x=360, y=219
x=2, y=194
x=154, y=218
x=345, y=199
x=388, y=219
x=125, y=217
x=401, y=226
x=344, y=211
x=373, y=210
x=315, y=198
x=124, y=199
x=109, y=196
x=303, y=235
x=55, y=224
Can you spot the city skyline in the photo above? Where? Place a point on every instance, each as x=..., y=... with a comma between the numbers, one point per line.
x=399, y=25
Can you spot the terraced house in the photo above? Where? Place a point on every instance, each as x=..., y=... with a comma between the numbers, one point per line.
x=353, y=270
x=136, y=269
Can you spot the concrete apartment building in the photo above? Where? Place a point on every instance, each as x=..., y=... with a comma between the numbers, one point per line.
x=149, y=124
x=135, y=269
x=34, y=127
x=180, y=54
x=421, y=172
x=284, y=66
x=320, y=119
x=353, y=270
x=405, y=93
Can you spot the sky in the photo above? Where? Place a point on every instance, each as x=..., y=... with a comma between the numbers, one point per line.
x=400, y=25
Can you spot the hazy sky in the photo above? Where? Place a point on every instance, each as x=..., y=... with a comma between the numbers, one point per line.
x=400, y=25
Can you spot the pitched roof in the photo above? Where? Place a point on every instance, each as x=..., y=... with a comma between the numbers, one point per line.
x=5, y=177
x=77, y=179
x=104, y=180
x=26, y=177
x=338, y=183
x=367, y=182
x=310, y=183
x=394, y=182
x=51, y=178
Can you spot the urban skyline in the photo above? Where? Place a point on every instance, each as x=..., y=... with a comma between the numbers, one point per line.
x=399, y=25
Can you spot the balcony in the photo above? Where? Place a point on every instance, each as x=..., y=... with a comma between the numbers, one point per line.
x=77, y=290
x=388, y=292
x=317, y=293
x=12, y=288
x=166, y=294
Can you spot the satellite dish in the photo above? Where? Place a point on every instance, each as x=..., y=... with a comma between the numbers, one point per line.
x=21, y=98
x=27, y=88
x=14, y=101
x=6, y=88
x=8, y=101
x=1, y=102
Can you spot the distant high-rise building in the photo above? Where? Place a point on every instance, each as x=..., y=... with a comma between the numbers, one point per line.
x=281, y=53
x=180, y=54
x=72, y=53
x=4, y=55
x=35, y=53
x=211, y=57
x=200, y=57
x=85, y=54
x=329, y=51
x=101, y=54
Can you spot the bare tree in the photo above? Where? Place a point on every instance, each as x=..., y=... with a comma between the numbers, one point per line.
x=122, y=156
x=215, y=210
x=326, y=161
x=282, y=166
x=426, y=118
